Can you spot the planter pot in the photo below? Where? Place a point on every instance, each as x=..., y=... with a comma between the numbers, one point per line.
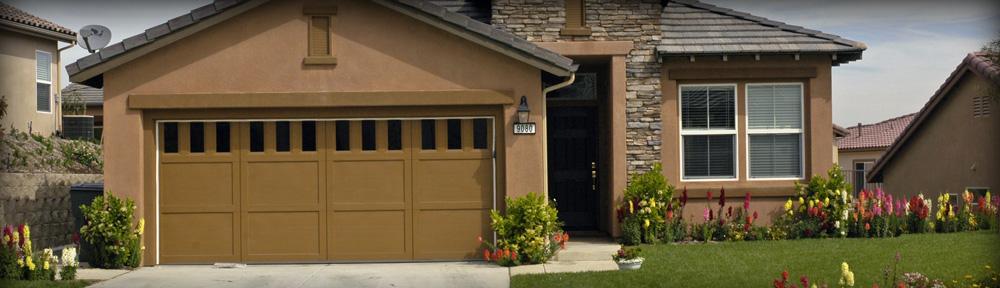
x=633, y=264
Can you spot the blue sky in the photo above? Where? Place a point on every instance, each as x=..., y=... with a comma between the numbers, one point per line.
x=913, y=45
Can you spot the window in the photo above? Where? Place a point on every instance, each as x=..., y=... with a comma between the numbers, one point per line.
x=861, y=169
x=576, y=17
x=222, y=137
x=427, y=134
x=454, y=134
x=169, y=137
x=256, y=136
x=320, y=50
x=395, y=134
x=343, y=135
x=43, y=81
x=708, y=131
x=309, y=136
x=282, y=137
x=197, y=136
x=367, y=135
x=480, y=128
x=774, y=129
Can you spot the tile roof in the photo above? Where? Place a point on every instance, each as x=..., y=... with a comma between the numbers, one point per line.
x=479, y=10
x=977, y=63
x=438, y=14
x=11, y=13
x=90, y=95
x=874, y=136
x=690, y=27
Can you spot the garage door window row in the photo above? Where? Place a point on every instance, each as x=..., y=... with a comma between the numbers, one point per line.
x=196, y=137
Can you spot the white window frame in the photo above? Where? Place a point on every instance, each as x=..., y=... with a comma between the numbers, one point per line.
x=37, y=81
x=694, y=132
x=800, y=131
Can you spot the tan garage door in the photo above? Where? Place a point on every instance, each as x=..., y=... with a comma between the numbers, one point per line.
x=313, y=191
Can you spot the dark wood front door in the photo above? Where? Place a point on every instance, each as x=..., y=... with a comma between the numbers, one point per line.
x=573, y=175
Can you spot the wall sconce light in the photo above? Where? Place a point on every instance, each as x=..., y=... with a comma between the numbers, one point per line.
x=523, y=112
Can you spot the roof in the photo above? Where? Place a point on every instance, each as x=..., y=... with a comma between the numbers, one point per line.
x=90, y=95
x=89, y=69
x=839, y=131
x=874, y=136
x=480, y=10
x=976, y=63
x=692, y=28
x=11, y=16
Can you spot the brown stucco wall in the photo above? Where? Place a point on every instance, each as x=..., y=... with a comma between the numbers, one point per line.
x=262, y=51
x=951, y=150
x=846, y=158
x=769, y=69
x=17, y=82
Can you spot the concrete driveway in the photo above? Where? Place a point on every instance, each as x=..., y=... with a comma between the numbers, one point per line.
x=444, y=274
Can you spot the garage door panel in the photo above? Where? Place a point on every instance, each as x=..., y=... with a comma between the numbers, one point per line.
x=461, y=226
x=282, y=183
x=368, y=235
x=453, y=180
x=368, y=182
x=196, y=184
x=283, y=233
x=192, y=235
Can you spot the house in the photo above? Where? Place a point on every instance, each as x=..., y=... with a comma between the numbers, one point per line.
x=29, y=70
x=864, y=144
x=292, y=131
x=951, y=144
x=92, y=99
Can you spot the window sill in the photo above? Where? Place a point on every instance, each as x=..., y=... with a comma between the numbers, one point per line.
x=575, y=31
x=319, y=60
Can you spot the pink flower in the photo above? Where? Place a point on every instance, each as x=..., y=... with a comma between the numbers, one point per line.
x=707, y=214
x=722, y=197
x=746, y=202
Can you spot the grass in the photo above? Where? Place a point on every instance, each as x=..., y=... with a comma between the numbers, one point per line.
x=45, y=284
x=757, y=264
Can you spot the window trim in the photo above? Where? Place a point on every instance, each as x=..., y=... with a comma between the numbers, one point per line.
x=801, y=131
x=37, y=81
x=695, y=132
x=575, y=29
x=320, y=11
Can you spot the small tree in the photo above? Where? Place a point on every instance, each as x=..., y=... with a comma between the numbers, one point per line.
x=74, y=105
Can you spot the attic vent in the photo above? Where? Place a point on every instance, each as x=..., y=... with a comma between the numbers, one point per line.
x=981, y=106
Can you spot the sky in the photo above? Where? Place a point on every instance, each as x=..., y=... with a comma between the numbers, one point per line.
x=912, y=45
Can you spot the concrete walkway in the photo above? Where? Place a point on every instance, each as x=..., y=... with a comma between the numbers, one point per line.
x=446, y=274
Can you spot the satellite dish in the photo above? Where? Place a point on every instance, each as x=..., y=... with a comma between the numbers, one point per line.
x=93, y=37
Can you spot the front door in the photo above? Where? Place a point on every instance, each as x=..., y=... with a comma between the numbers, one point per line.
x=573, y=175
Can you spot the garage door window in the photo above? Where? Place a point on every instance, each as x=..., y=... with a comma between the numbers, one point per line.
x=256, y=136
x=395, y=135
x=309, y=136
x=222, y=137
x=170, y=138
x=427, y=134
x=454, y=134
x=343, y=136
x=368, y=135
x=282, y=136
x=480, y=128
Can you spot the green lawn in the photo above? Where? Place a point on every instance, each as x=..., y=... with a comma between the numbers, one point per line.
x=45, y=284
x=756, y=264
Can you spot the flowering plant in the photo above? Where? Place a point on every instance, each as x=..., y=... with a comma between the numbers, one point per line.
x=627, y=255
x=647, y=200
x=69, y=262
x=846, y=276
x=528, y=230
x=109, y=227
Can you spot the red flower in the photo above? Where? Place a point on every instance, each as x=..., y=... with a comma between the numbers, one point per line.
x=754, y=215
x=746, y=202
x=784, y=275
x=684, y=196
x=513, y=255
x=805, y=281
x=722, y=197
x=711, y=215
x=670, y=214
x=867, y=227
x=486, y=255
x=709, y=196
x=729, y=213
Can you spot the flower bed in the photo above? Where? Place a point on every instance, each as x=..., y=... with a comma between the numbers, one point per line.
x=18, y=260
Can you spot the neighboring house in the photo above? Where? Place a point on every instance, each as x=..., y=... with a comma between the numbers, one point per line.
x=92, y=98
x=29, y=70
x=864, y=144
x=289, y=131
x=953, y=143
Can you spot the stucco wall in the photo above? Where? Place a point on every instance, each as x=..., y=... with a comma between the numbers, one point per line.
x=951, y=150
x=41, y=200
x=847, y=158
x=817, y=117
x=262, y=51
x=17, y=82
x=609, y=20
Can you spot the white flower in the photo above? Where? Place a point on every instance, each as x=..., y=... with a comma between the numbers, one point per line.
x=69, y=256
x=836, y=224
x=843, y=214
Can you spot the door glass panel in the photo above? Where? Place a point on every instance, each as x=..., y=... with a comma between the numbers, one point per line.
x=282, y=136
x=368, y=135
x=343, y=135
x=427, y=135
x=197, y=136
x=479, y=129
x=309, y=136
x=222, y=137
x=256, y=136
x=169, y=137
x=395, y=134
x=454, y=134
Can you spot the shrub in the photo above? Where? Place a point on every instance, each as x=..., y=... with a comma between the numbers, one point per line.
x=647, y=199
x=109, y=228
x=80, y=152
x=530, y=230
x=8, y=259
x=631, y=231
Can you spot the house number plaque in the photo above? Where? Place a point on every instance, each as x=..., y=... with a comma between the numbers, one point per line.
x=524, y=128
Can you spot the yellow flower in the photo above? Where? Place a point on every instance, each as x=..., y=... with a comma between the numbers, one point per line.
x=645, y=223
x=788, y=205
x=630, y=208
x=802, y=201
x=20, y=262
x=30, y=263
x=45, y=265
x=826, y=201
x=142, y=225
x=652, y=204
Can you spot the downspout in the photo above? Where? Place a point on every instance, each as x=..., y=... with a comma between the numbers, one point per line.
x=58, y=86
x=545, y=130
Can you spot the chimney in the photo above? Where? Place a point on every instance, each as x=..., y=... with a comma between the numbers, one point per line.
x=859, y=129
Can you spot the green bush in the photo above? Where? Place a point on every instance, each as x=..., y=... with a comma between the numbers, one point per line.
x=108, y=227
x=81, y=152
x=8, y=264
x=530, y=227
x=647, y=199
x=67, y=273
x=631, y=231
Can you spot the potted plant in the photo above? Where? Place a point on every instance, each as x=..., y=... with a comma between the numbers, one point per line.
x=628, y=258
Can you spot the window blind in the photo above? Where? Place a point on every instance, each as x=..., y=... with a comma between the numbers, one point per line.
x=774, y=106
x=42, y=91
x=43, y=64
x=709, y=156
x=708, y=107
x=319, y=36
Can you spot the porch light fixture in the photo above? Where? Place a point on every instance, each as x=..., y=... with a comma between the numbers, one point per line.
x=523, y=113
